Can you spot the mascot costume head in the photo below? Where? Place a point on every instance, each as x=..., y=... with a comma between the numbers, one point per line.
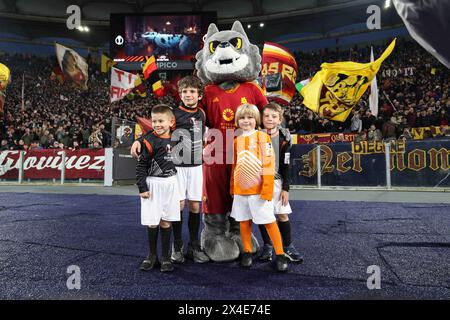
x=227, y=56
x=227, y=64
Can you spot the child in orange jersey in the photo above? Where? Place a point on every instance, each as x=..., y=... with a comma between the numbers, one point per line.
x=252, y=183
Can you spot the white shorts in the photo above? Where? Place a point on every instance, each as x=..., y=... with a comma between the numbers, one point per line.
x=278, y=207
x=164, y=201
x=252, y=208
x=190, y=182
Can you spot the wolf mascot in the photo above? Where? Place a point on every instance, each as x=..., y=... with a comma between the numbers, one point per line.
x=227, y=64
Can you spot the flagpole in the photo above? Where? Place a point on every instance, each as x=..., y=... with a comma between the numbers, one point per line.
x=390, y=101
x=373, y=97
x=23, y=90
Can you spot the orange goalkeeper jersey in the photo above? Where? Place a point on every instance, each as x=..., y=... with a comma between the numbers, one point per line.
x=253, y=168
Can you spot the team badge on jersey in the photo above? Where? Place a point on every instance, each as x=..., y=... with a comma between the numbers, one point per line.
x=195, y=124
x=228, y=114
x=287, y=158
x=168, y=157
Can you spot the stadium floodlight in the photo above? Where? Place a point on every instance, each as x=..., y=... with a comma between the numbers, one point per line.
x=83, y=28
x=249, y=26
x=261, y=24
x=387, y=4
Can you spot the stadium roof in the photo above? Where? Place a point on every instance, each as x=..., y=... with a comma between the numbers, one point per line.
x=47, y=18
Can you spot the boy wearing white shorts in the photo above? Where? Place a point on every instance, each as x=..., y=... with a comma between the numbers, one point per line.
x=187, y=155
x=281, y=141
x=252, y=183
x=190, y=129
x=158, y=187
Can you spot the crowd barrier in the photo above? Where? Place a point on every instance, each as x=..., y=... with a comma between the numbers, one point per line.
x=57, y=165
x=399, y=163
x=417, y=133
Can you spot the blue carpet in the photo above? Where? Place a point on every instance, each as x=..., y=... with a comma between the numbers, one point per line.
x=42, y=234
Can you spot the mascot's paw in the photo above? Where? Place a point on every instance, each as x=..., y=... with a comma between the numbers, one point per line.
x=236, y=237
x=214, y=242
x=219, y=248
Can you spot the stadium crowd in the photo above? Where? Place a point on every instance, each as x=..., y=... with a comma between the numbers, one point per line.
x=417, y=96
x=55, y=115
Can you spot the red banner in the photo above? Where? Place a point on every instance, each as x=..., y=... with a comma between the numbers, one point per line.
x=324, y=138
x=45, y=164
x=277, y=59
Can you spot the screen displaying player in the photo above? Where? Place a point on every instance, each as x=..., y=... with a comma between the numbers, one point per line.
x=167, y=36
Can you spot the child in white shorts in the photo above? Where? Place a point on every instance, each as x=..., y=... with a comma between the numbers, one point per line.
x=190, y=123
x=252, y=182
x=158, y=187
x=281, y=141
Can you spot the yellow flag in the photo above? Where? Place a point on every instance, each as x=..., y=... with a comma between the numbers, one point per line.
x=137, y=131
x=138, y=81
x=337, y=87
x=4, y=76
x=107, y=63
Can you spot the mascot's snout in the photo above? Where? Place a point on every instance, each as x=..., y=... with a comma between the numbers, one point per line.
x=226, y=59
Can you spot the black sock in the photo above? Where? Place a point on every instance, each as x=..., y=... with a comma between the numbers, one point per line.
x=152, y=239
x=194, y=226
x=264, y=234
x=177, y=227
x=165, y=241
x=234, y=225
x=285, y=230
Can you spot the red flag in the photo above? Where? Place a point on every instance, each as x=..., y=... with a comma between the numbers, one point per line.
x=146, y=124
x=277, y=59
x=158, y=89
x=172, y=87
x=149, y=67
x=139, y=87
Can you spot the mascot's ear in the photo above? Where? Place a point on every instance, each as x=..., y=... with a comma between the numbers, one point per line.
x=212, y=29
x=237, y=26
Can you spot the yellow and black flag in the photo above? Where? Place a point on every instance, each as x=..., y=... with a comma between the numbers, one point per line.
x=5, y=78
x=337, y=87
x=106, y=64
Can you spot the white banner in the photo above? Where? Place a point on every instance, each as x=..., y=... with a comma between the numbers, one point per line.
x=122, y=83
x=72, y=65
x=373, y=97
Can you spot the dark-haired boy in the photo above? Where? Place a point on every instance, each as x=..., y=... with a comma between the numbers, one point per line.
x=158, y=187
x=188, y=136
x=190, y=128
